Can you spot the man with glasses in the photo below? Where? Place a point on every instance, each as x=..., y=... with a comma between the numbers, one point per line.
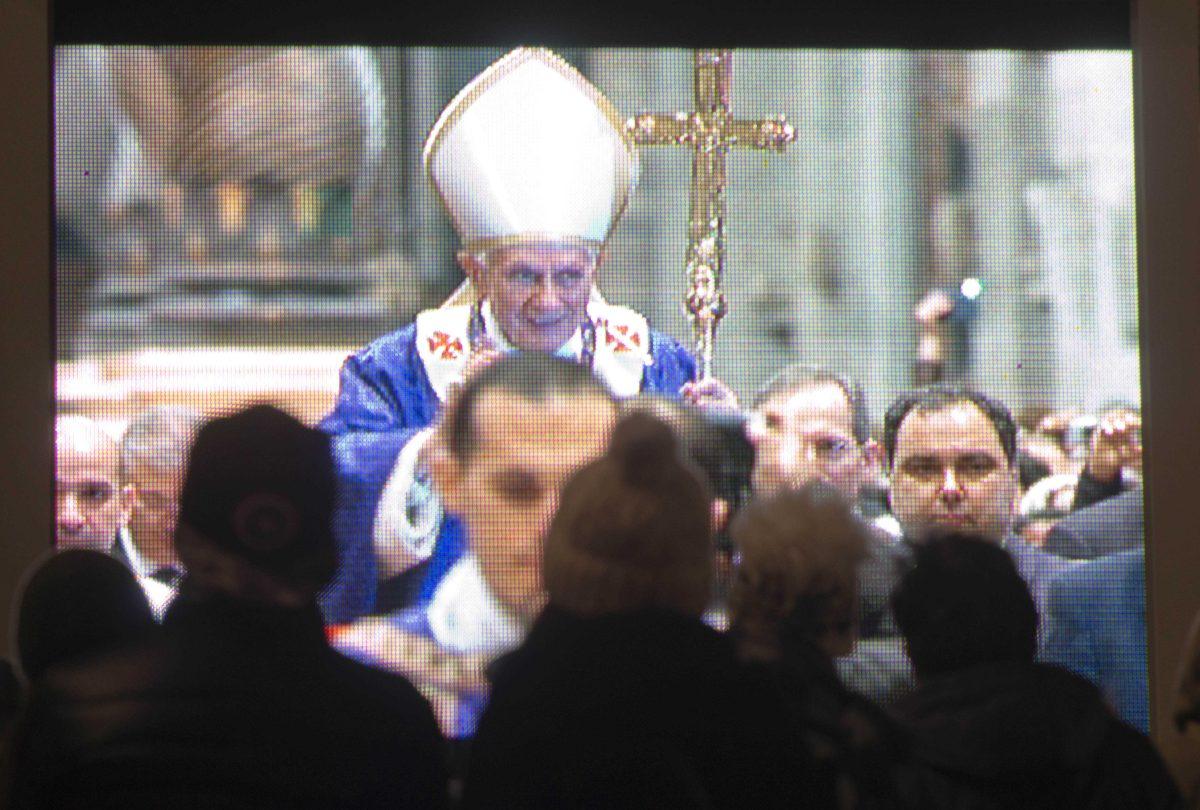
x=153, y=456
x=810, y=423
x=89, y=506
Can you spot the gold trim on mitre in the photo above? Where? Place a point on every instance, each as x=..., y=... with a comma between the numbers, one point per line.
x=487, y=79
x=531, y=238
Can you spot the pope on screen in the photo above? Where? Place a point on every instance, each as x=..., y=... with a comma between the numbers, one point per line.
x=534, y=167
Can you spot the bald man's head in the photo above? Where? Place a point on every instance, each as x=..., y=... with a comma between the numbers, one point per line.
x=88, y=504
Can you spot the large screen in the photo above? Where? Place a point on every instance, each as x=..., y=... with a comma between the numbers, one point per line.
x=232, y=223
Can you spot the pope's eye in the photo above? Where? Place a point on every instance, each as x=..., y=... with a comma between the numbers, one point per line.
x=522, y=275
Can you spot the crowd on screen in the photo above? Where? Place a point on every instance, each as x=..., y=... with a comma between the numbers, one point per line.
x=710, y=608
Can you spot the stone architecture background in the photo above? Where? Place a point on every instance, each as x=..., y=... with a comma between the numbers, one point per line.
x=1012, y=172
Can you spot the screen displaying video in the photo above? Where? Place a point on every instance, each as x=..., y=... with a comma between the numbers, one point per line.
x=349, y=233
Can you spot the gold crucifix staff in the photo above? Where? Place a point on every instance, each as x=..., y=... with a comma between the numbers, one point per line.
x=710, y=132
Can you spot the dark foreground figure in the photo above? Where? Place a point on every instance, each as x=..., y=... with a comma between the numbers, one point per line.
x=794, y=608
x=621, y=696
x=240, y=702
x=76, y=604
x=992, y=728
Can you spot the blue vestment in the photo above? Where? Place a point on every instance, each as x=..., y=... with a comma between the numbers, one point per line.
x=386, y=397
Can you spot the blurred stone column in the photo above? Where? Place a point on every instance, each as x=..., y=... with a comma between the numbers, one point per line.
x=1085, y=212
x=879, y=200
x=1009, y=136
x=426, y=232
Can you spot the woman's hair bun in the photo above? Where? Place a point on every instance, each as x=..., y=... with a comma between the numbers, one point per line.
x=644, y=448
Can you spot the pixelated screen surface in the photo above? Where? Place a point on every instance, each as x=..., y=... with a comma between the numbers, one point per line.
x=232, y=223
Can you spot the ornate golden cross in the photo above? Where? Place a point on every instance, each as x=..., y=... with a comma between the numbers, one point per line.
x=710, y=132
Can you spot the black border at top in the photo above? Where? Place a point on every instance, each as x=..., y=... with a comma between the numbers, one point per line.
x=1019, y=24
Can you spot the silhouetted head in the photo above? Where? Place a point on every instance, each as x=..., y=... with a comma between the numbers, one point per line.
x=963, y=604
x=797, y=576
x=256, y=506
x=715, y=441
x=633, y=530
x=75, y=604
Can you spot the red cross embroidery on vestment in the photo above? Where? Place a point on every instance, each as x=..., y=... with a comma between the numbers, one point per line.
x=620, y=339
x=450, y=348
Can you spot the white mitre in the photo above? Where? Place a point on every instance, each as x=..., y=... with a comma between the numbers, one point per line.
x=531, y=150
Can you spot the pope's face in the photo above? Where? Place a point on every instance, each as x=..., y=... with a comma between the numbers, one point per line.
x=88, y=504
x=538, y=293
x=807, y=435
x=950, y=474
x=508, y=489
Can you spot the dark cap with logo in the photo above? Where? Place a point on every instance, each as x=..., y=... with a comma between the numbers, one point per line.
x=261, y=485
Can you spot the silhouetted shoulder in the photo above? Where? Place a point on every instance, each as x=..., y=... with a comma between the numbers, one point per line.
x=381, y=690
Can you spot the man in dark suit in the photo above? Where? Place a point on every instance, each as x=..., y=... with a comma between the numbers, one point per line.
x=952, y=456
x=808, y=424
x=1097, y=628
x=154, y=452
x=1110, y=526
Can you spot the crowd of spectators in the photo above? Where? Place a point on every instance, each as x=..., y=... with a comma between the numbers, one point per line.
x=656, y=606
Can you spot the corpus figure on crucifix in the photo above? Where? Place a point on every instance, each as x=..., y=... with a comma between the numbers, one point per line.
x=534, y=167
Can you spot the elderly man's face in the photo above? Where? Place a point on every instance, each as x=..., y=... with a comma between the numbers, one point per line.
x=807, y=435
x=950, y=474
x=508, y=489
x=88, y=504
x=538, y=293
x=154, y=511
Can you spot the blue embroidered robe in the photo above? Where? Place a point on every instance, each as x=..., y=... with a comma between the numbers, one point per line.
x=387, y=396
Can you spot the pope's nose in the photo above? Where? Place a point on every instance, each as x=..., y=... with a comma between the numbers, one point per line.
x=545, y=299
